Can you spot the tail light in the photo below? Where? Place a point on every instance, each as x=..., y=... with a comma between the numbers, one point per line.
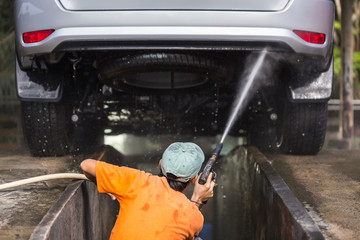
x=311, y=37
x=37, y=36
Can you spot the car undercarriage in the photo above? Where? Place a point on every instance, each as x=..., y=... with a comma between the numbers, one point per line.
x=168, y=71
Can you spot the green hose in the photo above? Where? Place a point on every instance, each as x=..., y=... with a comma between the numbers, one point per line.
x=41, y=179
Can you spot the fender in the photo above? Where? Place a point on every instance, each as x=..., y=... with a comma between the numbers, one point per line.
x=318, y=89
x=38, y=86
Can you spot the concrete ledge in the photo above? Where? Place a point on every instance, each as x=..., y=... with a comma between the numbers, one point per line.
x=80, y=213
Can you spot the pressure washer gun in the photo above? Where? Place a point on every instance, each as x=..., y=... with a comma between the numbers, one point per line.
x=209, y=165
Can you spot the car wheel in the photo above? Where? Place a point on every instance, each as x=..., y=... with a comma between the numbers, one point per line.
x=303, y=128
x=45, y=128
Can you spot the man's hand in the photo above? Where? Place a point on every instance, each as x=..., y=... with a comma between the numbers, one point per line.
x=203, y=192
x=89, y=168
x=112, y=196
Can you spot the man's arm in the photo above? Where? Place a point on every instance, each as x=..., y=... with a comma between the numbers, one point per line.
x=203, y=192
x=89, y=168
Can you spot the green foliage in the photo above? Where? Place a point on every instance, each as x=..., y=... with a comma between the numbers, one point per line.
x=7, y=54
x=337, y=71
x=6, y=17
x=337, y=25
x=356, y=60
x=7, y=46
x=337, y=62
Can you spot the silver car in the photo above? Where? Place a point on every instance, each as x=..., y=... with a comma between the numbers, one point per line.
x=163, y=67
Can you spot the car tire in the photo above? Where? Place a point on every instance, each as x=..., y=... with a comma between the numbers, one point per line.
x=263, y=135
x=45, y=128
x=206, y=70
x=87, y=135
x=303, y=128
x=48, y=133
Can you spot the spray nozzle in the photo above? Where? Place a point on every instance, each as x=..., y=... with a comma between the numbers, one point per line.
x=218, y=149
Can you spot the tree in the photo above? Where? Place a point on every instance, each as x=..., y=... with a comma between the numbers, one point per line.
x=346, y=86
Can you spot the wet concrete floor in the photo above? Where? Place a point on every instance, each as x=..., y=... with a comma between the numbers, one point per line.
x=21, y=209
x=328, y=185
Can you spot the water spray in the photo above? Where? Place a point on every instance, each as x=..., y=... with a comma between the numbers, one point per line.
x=243, y=95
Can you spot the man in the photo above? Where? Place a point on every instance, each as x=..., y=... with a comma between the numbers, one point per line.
x=154, y=207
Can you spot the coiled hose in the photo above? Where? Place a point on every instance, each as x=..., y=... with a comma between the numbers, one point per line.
x=41, y=179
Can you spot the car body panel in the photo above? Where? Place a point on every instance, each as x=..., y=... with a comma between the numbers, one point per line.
x=184, y=25
x=257, y=5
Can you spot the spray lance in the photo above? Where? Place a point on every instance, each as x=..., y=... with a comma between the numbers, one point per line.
x=209, y=165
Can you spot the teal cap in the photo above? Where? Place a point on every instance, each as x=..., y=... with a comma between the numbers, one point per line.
x=183, y=160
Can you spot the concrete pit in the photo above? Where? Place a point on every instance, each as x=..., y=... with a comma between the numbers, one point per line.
x=251, y=202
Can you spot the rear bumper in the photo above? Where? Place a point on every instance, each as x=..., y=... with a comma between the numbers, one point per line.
x=232, y=35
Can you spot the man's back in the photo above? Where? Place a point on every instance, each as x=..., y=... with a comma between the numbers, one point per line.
x=149, y=208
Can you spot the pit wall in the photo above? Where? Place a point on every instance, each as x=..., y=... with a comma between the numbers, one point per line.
x=253, y=201
x=81, y=213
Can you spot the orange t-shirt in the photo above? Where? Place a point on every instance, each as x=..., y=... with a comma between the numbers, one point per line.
x=149, y=207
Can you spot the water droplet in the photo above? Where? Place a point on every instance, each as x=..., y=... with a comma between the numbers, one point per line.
x=273, y=116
